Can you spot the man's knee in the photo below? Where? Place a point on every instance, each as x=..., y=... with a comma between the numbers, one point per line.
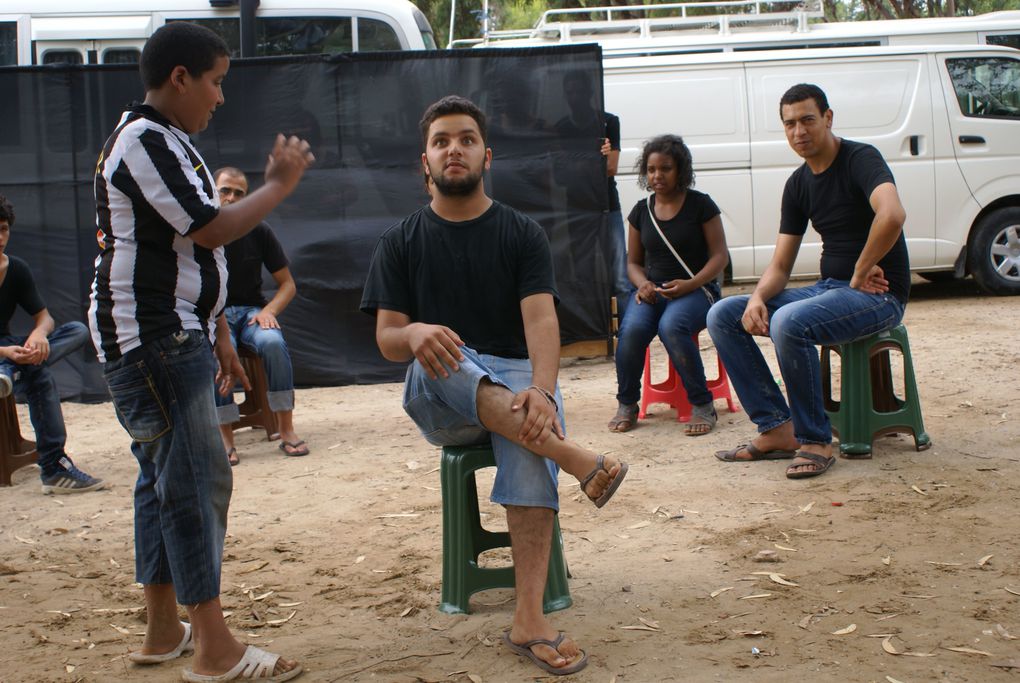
x=726, y=314
x=271, y=344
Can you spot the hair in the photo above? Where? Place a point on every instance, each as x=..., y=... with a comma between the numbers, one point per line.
x=450, y=105
x=801, y=92
x=6, y=211
x=179, y=43
x=229, y=170
x=674, y=147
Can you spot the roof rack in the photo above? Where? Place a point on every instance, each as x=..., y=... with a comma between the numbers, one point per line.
x=567, y=25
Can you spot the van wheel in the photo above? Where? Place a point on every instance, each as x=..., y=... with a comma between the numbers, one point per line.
x=994, y=252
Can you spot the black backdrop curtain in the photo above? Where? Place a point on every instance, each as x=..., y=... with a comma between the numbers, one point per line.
x=361, y=114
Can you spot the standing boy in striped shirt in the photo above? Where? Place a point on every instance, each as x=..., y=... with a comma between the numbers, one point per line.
x=160, y=279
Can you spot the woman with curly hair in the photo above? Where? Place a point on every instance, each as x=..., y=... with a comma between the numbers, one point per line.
x=676, y=250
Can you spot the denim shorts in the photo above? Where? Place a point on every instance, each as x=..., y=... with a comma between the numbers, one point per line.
x=446, y=412
x=164, y=400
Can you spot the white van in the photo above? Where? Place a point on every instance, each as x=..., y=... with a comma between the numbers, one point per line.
x=114, y=31
x=946, y=119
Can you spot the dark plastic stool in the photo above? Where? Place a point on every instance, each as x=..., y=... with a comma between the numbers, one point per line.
x=15, y=451
x=464, y=539
x=868, y=407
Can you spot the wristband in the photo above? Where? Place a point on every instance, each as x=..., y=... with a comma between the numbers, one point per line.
x=548, y=397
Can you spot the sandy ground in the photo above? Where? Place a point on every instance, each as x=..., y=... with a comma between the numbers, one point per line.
x=896, y=560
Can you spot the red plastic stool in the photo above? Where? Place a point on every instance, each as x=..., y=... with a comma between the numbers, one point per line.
x=672, y=390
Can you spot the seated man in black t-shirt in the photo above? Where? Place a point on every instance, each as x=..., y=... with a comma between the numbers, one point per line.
x=253, y=321
x=848, y=193
x=464, y=289
x=25, y=363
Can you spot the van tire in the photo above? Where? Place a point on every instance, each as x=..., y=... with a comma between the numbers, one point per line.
x=994, y=243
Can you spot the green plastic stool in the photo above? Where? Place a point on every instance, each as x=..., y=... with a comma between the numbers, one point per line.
x=868, y=405
x=464, y=539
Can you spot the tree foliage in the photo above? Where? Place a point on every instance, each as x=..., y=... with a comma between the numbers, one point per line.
x=518, y=14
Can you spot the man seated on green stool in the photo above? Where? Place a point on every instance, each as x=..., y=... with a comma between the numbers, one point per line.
x=464, y=288
x=847, y=191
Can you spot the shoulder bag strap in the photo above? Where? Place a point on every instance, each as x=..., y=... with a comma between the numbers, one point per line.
x=651, y=215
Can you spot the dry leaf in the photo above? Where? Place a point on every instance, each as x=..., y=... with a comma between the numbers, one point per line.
x=257, y=598
x=919, y=490
x=766, y=574
x=277, y=622
x=475, y=678
x=750, y=634
x=639, y=525
x=755, y=596
x=257, y=567
x=648, y=622
x=1007, y=663
x=717, y=592
x=288, y=604
x=69, y=668
x=888, y=647
x=1003, y=632
x=781, y=581
x=642, y=627
x=968, y=651
x=120, y=629
x=886, y=560
x=943, y=564
x=806, y=621
x=783, y=547
x=984, y=560
x=808, y=506
x=406, y=611
x=844, y=631
x=359, y=559
x=29, y=541
x=1010, y=590
x=397, y=514
x=893, y=680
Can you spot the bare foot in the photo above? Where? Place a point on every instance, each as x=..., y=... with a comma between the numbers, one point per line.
x=160, y=640
x=603, y=478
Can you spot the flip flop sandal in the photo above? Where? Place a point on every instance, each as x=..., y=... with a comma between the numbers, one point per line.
x=707, y=417
x=232, y=457
x=255, y=665
x=186, y=645
x=600, y=465
x=297, y=445
x=524, y=650
x=756, y=454
x=625, y=418
x=821, y=461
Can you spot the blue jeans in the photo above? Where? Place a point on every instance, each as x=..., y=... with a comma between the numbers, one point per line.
x=446, y=412
x=622, y=287
x=828, y=312
x=674, y=321
x=164, y=399
x=272, y=349
x=36, y=383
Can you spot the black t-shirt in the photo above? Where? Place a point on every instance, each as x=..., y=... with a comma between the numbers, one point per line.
x=837, y=201
x=18, y=289
x=245, y=258
x=469, y=276
x=685, y=232
x=613, y=133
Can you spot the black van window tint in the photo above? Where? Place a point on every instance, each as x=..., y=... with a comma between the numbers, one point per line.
x=303, y=35
x=376, y=36
x=121, y=55
x=62, y=57
x=1005, y=39
x=8, y=43
x=986, y=87
x=227, y=29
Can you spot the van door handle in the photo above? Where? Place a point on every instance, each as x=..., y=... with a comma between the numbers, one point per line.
x=971, y=140
x=915, y=147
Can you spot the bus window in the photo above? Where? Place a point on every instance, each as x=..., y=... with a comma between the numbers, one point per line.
x=987, y=87
x=8, y=43
x=1005, y=39
x=376, y=36
x=62, y=57
x=121, y=55
x=303, y=35
x=227, y=29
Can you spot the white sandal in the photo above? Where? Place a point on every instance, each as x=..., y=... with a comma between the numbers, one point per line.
x=255, y=665
x=186, y=645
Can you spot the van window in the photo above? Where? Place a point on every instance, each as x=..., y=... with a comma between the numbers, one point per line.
x=8, y=43
x=986, y=87
x=1005, y=39
x=376, y=36
x=62, y=57
x=227, y=29
x=122, y=55
x=303, y=35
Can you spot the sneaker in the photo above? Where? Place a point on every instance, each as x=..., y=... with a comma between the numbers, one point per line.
x=71, y=480
x=6, y=386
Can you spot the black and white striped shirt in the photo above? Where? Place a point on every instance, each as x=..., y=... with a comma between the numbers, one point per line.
x=152, y=191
